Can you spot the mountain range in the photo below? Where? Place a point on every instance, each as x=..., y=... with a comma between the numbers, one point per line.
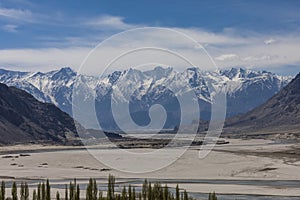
x=245, y=90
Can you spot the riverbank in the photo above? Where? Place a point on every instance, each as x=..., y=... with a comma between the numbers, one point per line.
x=249, y=167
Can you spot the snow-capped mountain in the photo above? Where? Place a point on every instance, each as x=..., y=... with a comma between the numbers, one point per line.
x=245, y=89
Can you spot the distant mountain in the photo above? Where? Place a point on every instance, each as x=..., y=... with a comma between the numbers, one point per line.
x=23, y=119
x=245, y=89
x=280, y=114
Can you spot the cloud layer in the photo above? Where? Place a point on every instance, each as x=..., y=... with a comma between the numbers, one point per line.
x=228, y=48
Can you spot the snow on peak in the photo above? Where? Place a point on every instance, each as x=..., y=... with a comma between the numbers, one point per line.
x=57, y=86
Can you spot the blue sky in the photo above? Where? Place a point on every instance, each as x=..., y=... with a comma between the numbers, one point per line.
x=31, y=27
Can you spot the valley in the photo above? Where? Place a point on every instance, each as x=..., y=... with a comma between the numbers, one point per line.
x=242, y=167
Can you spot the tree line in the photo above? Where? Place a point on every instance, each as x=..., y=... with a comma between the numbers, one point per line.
x=149, y=191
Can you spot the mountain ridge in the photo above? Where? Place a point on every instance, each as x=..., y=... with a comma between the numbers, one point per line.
x=23, y=119
x=240, y=84
x=280, y=114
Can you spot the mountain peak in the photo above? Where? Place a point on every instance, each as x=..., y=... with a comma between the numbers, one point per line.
x=238, y=73
x=65, y=72
x=294, y=85
x=12, y=73
x=159, y=72
x=160, y=68
x=298, y=76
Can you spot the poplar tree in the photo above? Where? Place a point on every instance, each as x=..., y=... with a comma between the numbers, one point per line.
x=145, y=189
x=77, y=197
x=177, y=193
x=26, y=191
x=129, y=193
x=14, y=191
x=212, y=196
x=100, y=195
x=34, y=196
x=118, y=197
x=149, y=191
x=39, y=192
x=185, y=195
x=124, y=194
x=133, y=194
x=111, y=187
x=22, y=191
x=43, y=191
x=57, y=196
x=95, y=190
x=2, y=192
x=66, y=193
x=91, y=190
x=71, y=191
x=48, y=190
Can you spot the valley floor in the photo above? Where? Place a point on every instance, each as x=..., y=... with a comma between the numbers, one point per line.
x=242, y=167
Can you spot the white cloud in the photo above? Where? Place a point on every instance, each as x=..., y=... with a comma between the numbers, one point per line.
x=16, y=14
x=259, y=58
x=109, y=22
x=228, y=38
x=269, y=41
x=42, y=59
x=10, y=28
x=225, y=57
x=227, y=49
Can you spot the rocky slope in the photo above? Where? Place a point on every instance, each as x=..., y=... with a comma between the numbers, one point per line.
x=23, y=119
x=280, y=114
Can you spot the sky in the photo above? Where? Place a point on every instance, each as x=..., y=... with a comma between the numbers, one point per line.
x=46, y=35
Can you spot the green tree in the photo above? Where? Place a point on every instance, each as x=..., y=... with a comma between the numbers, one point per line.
x=77, y=196
x=124, y=194
x=48, y=190
x=66, y=192
x=22, y=191
x=2, y=192
x=150, y=192
x=43, y=191
x=166, y=193
x=57, y=196
x=72, y=191
x=91, y=190
x=129, y=192
x=39, y=192
x=14, y=191
x=117, y=197
x=133, y=194
x=95, y=190
x=145, y=189
x=185, y=195
x=100, y=195
x=212, y=196
x=111, y=187
x=26, y=192
x=34, y=196
x=177, y=193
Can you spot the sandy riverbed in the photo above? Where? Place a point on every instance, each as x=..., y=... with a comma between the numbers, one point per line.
x=244, y=160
